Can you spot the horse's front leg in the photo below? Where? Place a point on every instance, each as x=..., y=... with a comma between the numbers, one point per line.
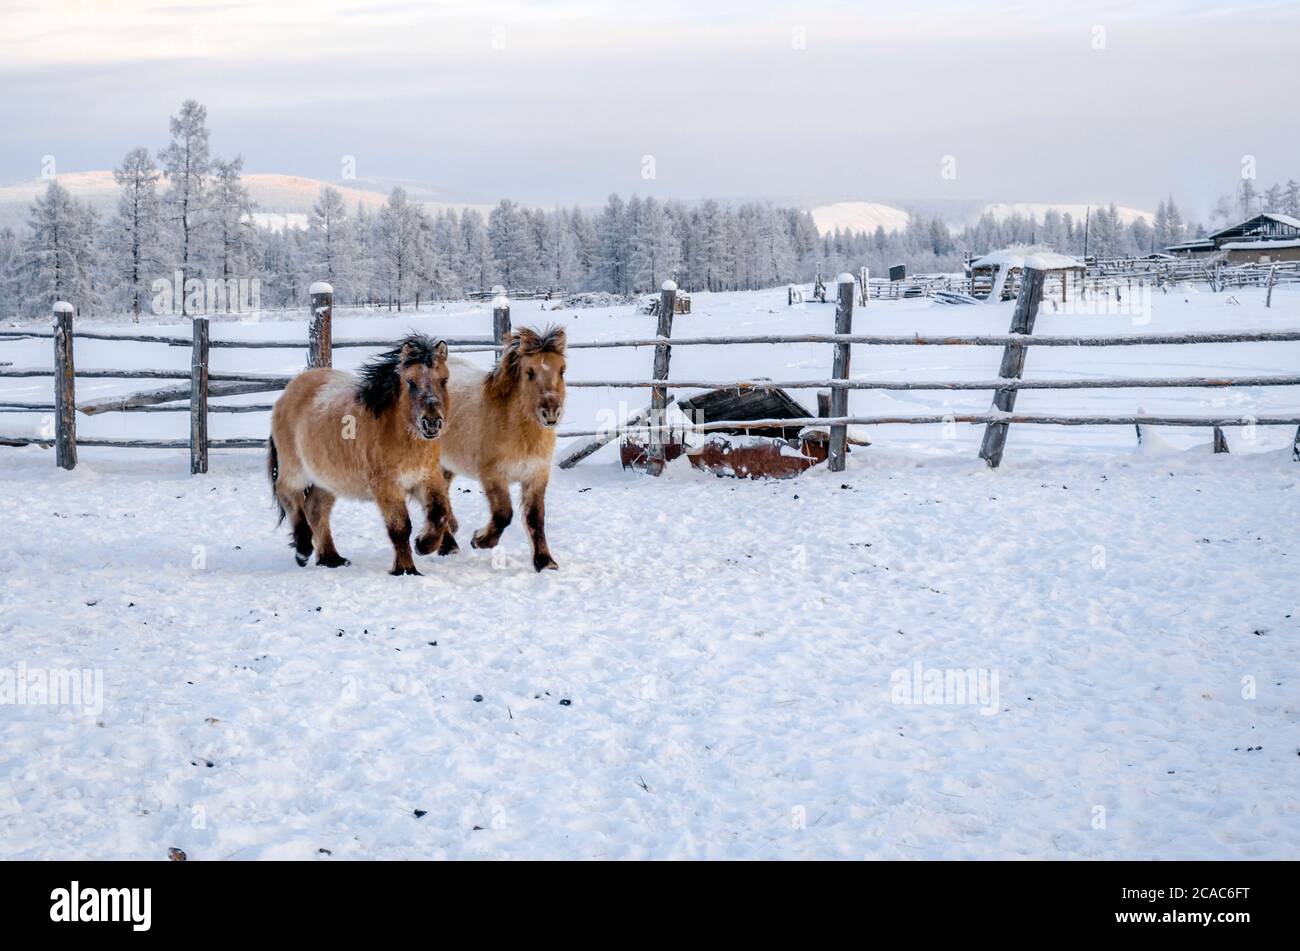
x=392, y=503
x=437, y=535
x=534, y=497
x=498, y=496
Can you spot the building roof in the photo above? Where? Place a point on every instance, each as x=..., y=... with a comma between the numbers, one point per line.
x=1019, y=257
x=1260, y=245
x=1281, y=219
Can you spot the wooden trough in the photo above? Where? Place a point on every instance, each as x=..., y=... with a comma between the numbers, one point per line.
x=763, y=452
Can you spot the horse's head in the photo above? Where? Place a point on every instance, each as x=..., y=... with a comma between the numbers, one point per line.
x=537, y=362
x=422, y=368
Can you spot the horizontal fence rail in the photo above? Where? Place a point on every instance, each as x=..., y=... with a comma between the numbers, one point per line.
x=940, y=419
x=202, y=386
x=1118, y=383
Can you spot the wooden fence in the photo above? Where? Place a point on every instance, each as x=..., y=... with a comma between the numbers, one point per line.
x=204, y=383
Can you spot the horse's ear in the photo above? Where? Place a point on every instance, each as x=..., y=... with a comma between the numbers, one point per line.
x=404, y=355
x=559, y=338
x=440, y=352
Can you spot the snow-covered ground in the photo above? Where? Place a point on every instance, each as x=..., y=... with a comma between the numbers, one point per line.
x=720, y=668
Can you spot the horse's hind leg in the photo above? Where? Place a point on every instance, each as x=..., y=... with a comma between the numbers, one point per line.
x=317, y=508
x=293, y=504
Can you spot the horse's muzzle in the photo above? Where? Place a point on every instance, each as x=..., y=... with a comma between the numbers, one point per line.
x=430, y=428
x=548, y=417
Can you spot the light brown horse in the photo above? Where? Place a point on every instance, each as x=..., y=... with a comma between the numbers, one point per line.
x=371, y=436
x=501, y=430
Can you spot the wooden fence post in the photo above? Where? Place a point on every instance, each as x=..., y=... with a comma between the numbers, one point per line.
x=1272, y=278
x=65, y=389
x=1220, y=440
x=500, y=318
x=655, y=454
x=320, y=334
x=199, y=398
x=840, y=371
x=1013, y=361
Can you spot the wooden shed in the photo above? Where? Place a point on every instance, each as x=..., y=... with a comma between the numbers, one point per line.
x=996, y=276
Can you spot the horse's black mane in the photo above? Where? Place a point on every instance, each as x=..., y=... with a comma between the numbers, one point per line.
x=380, y=385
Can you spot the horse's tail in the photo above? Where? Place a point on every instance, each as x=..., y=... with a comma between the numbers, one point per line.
x=273, y=470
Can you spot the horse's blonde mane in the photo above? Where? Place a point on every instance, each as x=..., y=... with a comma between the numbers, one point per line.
x=500, y=383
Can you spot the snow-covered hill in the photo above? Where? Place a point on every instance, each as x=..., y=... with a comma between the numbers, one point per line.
x=279, y=198
x=858, y=216
x=866, y=216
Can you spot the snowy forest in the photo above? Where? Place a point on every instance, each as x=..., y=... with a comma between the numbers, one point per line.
x=185, y=211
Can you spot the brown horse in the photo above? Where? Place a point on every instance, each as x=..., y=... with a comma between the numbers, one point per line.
x=502, y=430
x=372, y=436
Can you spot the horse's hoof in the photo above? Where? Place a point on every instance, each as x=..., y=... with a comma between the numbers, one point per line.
x=482, y=541
x=448, y=546
x=300, y=558
x=334, y=561
x=545, y=563
x=398, y=572
x=426, y=544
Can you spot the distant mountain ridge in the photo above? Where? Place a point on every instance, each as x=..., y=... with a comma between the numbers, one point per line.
x=867, y=216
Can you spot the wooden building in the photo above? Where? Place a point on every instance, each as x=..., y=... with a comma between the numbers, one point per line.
x=1263, y=239
x=996, y=276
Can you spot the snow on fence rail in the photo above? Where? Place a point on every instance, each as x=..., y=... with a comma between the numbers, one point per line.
x=204, y=384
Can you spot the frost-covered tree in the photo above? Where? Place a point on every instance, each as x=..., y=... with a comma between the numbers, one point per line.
x=330, y=246
x=479, y=269
x=187, y=164
x=398, y=247
x=234, y=236
x=611, y=267
x=1291, y=200
x=10, y=272
x=133, y=243
x=513, y=244
x=58, y=257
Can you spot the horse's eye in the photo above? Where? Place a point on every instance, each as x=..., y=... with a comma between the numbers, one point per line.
x=532, y=375
x=411, y=384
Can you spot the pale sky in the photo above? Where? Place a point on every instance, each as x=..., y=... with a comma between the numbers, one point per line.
x=561, y=100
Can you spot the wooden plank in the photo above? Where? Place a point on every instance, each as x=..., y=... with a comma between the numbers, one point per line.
x=199, y=398
x=1107, y=383
x=655, y=460
x=320, y=349
x=65, y=389
x=840, y=371
x=924, y=340
x=982, y=419
x=604, y=437
x=147, y=401
x=1013, y=362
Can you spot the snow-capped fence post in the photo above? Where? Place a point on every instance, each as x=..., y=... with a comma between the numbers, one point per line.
x=1013, y=360
x=840, y=371
x=65, y=389
x=500, y=317
x=320, y=334
x=199, y=398
x=655, y=453
x=1272, y=279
